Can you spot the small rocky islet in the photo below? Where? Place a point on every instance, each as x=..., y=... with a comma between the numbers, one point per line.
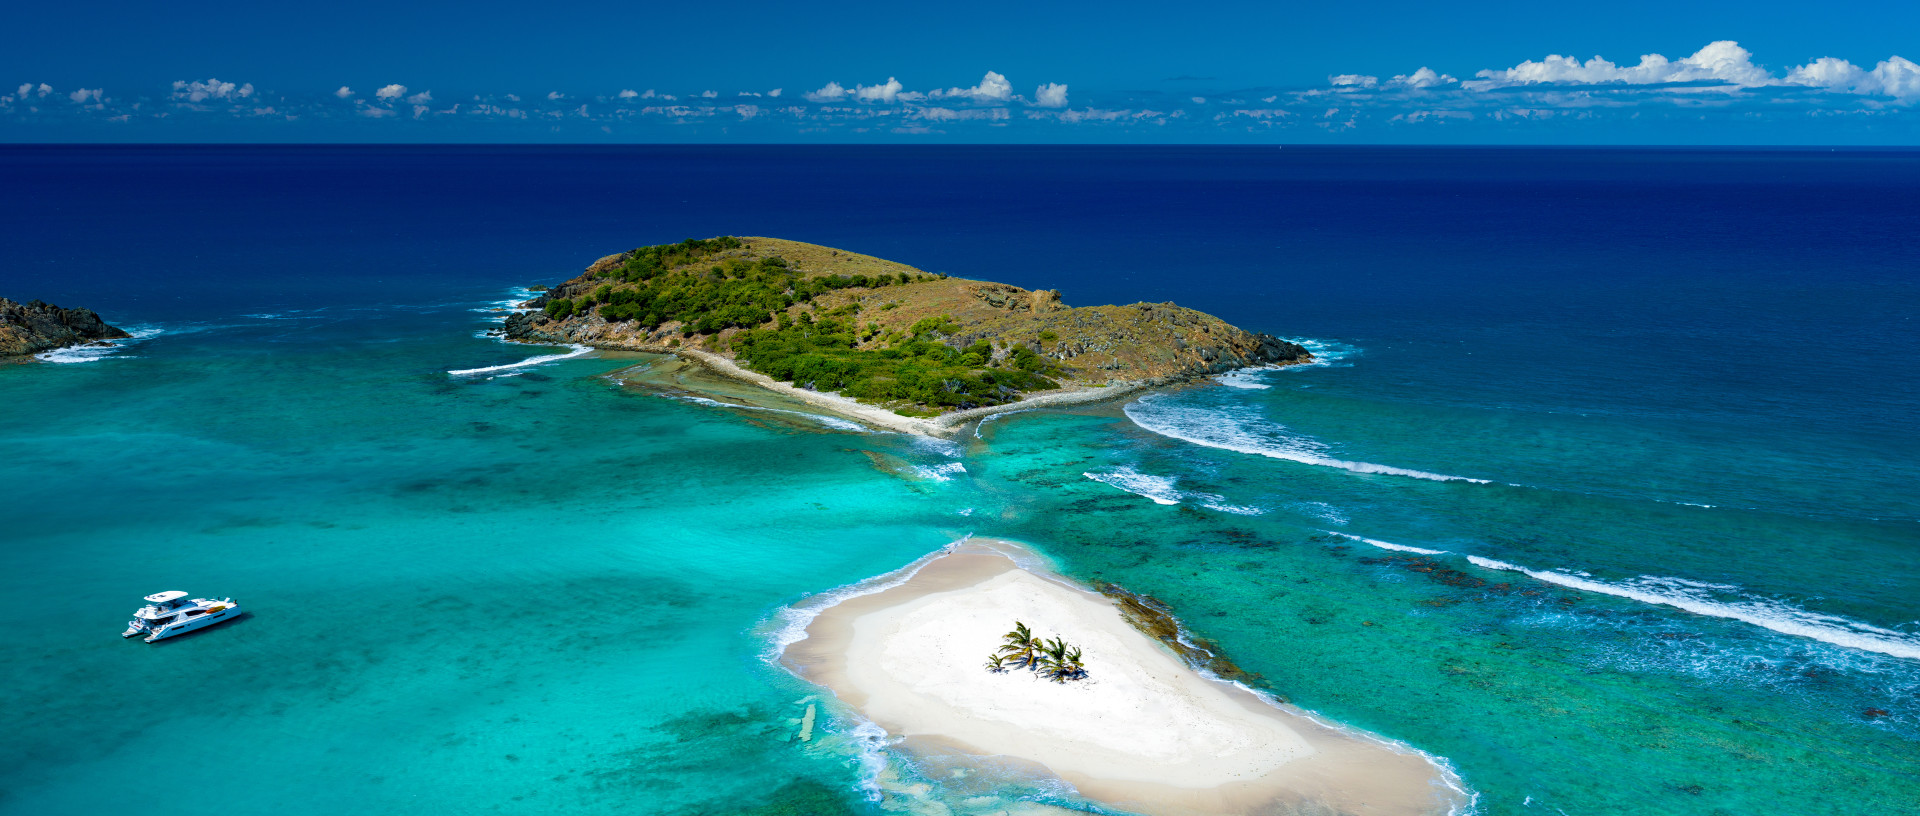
x=35, y=326
x=879, y=331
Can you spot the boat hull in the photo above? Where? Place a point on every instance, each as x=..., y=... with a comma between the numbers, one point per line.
x=197, y=623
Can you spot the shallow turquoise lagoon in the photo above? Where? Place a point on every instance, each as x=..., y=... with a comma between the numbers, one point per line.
x=1602, y=493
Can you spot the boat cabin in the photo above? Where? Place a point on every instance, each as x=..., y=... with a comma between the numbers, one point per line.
x=164, y=605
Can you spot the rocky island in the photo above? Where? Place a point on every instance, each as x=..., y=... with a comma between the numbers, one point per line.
x=854, y=333
x=34, y=327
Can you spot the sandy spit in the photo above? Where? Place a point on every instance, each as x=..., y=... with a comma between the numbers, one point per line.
x=1144, y=733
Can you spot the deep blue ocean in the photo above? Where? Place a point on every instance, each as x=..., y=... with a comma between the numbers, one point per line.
x=1603, y=491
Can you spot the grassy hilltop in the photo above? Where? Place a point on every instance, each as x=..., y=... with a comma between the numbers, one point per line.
x=876, y=330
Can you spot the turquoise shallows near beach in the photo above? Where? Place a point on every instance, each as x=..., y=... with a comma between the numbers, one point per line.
x=1610, y=509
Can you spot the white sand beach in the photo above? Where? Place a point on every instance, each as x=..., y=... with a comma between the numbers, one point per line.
x=941, y=426
x=1143, y=732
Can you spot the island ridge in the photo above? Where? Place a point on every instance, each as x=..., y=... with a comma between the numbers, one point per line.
x=884, y=342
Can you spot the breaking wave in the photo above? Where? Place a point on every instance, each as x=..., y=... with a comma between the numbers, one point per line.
x=1326, y=353
x=530, y=361
x=943, y=472
x=1235, y=429
x=833, y=422
x=1387, y=545
x=1158, y=488
x=90, y=353
x=1161, y=490
x=1700, y=598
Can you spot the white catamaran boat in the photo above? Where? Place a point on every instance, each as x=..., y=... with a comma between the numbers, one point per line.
x=171, y=613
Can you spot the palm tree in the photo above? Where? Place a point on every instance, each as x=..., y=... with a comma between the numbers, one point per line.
x=1053, y=657
x=996, y=664
x=1072, y=666
x=1021, y=643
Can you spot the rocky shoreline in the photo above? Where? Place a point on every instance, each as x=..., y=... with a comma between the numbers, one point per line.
x=35, y=326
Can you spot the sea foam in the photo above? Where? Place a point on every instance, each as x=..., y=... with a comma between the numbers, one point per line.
x=577, y=350
x=1697, y=597
x=88, y=354
x=1158, y=488
x=1386, y=545
x=1162, y=490
x=1235, y=430
x=833, y=422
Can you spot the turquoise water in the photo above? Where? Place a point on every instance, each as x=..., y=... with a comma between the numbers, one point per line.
x=1668, y=541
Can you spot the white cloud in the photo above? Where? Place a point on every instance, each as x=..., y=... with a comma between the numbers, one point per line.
x=992, y=88
x=391, y=92
x=211, y=89
x=708, y=94
x=1353, y=81
x=1199, y=100
x=629, y=94
x=420, y=98
x=555, y=96
x=344, y=92
x=81, y=96
x=1423, y=78
x=1050, y=95
x=888, y=93
x=952, y=115
x=774, y=93
x=832, y=92
x=1722, y=61
x=1897, y=77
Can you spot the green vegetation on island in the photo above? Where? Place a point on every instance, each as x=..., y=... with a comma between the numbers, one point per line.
x=876, y=330
x=1052, y=658
x=686, y=285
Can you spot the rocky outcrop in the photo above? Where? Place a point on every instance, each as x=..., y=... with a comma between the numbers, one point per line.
x=33, y=327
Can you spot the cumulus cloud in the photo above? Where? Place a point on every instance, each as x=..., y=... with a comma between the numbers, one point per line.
x=832, y=92
x=1050, y=95
x=553, y=96
x=1723, y=61
x=1423, y=78
x=888, y=93
x=27, y=88
x=709, y=94
x=391, y=92
x=628, y=94
x=774, y=93
x=211, y=89
x=344, y=92
x=83, y=95
x=420, y=98
x=1722, y=64
x=992, y=88
x=1897, y=77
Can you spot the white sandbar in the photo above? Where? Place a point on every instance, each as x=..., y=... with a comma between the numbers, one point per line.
x=1144, y=732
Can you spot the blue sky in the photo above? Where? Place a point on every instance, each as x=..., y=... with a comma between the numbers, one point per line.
x=1627, y=72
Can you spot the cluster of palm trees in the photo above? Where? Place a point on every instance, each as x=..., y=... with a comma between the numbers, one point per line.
x=1054, y=658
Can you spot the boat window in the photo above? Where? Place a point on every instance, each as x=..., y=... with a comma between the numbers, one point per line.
x=193, y=612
